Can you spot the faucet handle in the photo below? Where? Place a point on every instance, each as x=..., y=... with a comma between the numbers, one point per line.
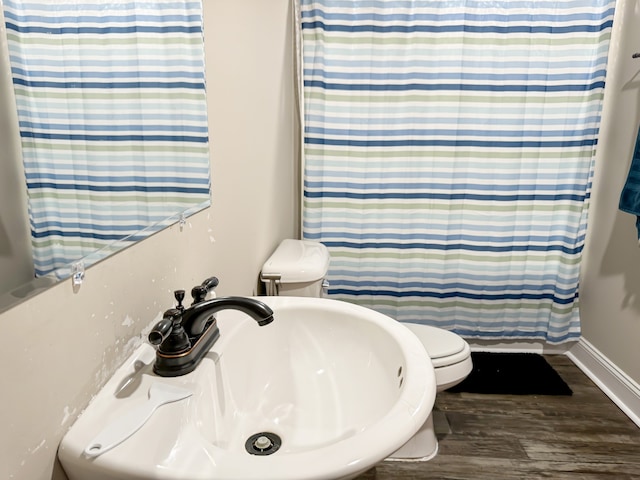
x=210, y=283
x=169, y=334
x=160, y=331
x=199, y=292
x=164, y=327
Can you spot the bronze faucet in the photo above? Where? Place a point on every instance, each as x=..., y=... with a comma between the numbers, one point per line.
x=185, y=335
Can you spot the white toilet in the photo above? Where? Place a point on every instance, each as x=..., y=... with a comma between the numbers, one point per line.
x=299, y=268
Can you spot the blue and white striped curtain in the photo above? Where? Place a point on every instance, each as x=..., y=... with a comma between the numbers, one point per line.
x=113, y=121
x=449, y=154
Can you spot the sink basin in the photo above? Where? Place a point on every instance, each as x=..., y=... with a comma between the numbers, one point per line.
x=326, y=391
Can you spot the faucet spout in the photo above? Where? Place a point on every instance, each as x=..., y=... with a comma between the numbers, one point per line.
x=196, y=317
x=199, y=325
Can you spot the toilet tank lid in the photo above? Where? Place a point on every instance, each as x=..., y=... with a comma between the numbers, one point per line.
x=298, y=261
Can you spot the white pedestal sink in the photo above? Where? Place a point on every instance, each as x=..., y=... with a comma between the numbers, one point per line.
x=327, y=390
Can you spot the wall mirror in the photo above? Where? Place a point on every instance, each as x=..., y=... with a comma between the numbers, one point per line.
x=104, y=128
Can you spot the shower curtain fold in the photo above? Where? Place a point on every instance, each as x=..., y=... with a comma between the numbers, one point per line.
x=448, y=157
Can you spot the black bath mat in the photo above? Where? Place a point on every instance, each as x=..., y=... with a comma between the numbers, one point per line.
x=512, y=374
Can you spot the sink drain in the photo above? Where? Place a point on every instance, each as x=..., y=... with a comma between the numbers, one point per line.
x=264, y=443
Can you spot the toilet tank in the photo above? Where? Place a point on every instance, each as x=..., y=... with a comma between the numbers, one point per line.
x=296, y=268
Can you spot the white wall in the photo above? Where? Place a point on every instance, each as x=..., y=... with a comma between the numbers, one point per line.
x=16, y=264
x=59, y=347
x=249, y=50
x=610, y=284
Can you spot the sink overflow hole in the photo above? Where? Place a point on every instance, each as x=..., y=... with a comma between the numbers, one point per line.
x=263, y=443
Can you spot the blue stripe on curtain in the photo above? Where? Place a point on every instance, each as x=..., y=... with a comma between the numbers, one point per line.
x=113, y=120
x=449, y=154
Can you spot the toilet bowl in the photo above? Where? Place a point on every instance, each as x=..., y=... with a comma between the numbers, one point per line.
x=451, y=358
x=299, y=268
x=449, y=353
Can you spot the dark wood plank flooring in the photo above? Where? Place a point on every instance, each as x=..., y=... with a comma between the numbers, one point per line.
x=583, y=436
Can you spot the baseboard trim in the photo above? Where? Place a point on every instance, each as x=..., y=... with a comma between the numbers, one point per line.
x=517, y=346
x=617, y=385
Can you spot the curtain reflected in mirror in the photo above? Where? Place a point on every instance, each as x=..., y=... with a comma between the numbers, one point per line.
x=111, y=107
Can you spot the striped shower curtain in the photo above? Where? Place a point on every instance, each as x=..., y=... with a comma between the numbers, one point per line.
x=448, y=150
x=113, y=124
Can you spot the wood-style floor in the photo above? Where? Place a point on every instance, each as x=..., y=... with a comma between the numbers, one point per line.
x=583, y=436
